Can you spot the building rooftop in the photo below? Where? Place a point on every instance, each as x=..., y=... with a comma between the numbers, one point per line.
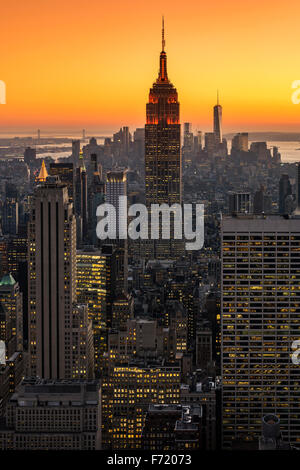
x=56, y=392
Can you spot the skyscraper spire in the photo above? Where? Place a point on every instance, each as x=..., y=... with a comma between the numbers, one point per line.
x=163, y=76
x=163, y=163
x=218, y=121
x=163, y=34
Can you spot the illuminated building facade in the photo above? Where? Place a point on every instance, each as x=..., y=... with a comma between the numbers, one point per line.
x=12, y=369
x=10, y=216
x=91, y=290
x=218, y=122
x=260, y=319
x=81, y=201
x=162, y=154
x=126, y=395
x=116, y=188
x=122, y=311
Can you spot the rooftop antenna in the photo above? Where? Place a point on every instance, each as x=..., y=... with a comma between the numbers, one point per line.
x=163, y=34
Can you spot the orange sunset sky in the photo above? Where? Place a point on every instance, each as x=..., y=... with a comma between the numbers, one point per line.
x=74, y=64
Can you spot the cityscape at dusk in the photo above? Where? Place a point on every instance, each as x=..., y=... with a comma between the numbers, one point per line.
x=150, y=230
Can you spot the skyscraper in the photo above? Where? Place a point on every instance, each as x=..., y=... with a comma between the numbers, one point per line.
x=126, y=394
x=116, y=187
x=65, y=171
x=60, y=336
x=285, y=192
x=10, y=216
x=260, y=321
x=162, y=150
x=81, y=202
x=96, y=196
x=92, y=289
x=298, y=186
x=218, y=121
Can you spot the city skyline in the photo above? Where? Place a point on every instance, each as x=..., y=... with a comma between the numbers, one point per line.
x=87, y=53
x=182, y=334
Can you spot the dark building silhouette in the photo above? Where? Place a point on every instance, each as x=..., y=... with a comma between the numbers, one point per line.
x=75, y=151
x=239, y=202
x=261, y=202
x=218, y=122
x=65, y=171
x=285, y=190
x=81, y=202
x=60, y=335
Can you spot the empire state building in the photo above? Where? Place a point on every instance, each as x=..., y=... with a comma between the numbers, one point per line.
x=162, y=150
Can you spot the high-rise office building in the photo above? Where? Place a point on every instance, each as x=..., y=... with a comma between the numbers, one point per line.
x=81, y=201
x=239, y=202
x=298, y=186
x=218, y=122
x=162, y=153
x=3, y=256
x=56, y=325
x=210, y=143
x=12, y=300
x=188, y=138
x=261, y=150
x=260, y=320
x=115, y=189
x=96, y=196
x=29, y=155
x=188, y=144
x=75, y=151
x=11, y=333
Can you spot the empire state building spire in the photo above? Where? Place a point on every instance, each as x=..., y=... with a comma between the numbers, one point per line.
x=163, y=76
x=162, y=155
x=163, y=34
